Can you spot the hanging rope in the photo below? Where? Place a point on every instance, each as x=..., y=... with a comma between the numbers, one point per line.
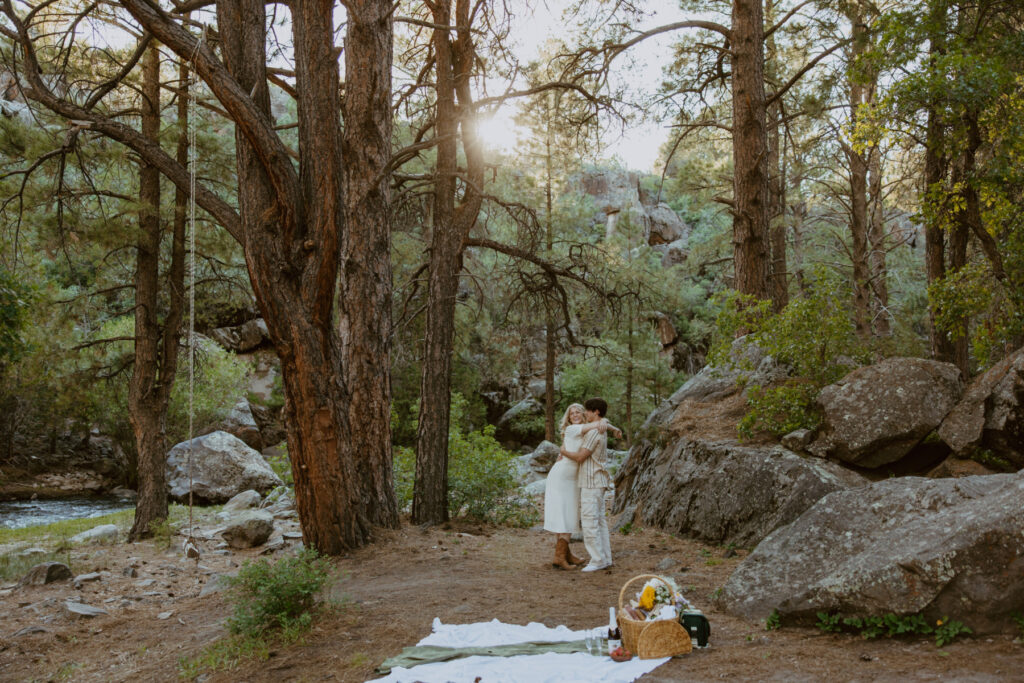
x=190, y=547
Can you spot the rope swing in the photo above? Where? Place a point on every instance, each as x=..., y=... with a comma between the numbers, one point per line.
x=189, y=545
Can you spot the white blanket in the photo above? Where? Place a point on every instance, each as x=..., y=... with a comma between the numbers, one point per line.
x=550, y=666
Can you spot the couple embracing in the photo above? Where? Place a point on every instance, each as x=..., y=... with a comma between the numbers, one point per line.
x=577, y=484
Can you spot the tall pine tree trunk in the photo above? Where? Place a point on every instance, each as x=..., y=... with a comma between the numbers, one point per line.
x=776, y=180
x=156, y=344
x=454, y=61
x=858, y=186
x=878, y=245
x=751, y=202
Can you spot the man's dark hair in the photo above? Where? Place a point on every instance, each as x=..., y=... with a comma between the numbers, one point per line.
x=597, y=404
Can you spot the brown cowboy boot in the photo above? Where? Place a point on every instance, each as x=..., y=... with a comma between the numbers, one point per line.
x=561, y=550
x=572, y=558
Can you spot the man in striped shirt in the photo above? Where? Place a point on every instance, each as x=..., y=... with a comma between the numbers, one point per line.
x=594, y=482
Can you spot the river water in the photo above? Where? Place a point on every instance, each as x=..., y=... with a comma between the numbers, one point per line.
x=15, y=514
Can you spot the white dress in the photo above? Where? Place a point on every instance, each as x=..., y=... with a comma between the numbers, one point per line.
x=561, y=494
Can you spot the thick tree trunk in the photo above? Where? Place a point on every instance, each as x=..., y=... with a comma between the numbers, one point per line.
x=292, y=248
x=364, y=298
x=776, y=179
x=751, y=203
x=147, y=407
x=454, y=61
x=859, y=187
x=549, y=323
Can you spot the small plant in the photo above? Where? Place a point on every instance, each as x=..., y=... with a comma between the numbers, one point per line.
x=282, y=467
x=626, y=529
x=277, y=596
x=1018, y=619
x=829, y=623
x=774, y=621
x=161, y=532
x=947, y=630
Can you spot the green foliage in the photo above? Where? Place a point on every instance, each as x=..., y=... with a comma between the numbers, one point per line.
x=282, y=466
x=813, y=335
x=774, y=621
x=480, y=475
x=893, y=626
x=224, y=655
x=14, y=306
x=947, y=630
x=277, y=596
x=1018, y=619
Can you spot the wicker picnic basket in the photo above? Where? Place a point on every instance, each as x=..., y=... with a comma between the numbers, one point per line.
x=651, y=639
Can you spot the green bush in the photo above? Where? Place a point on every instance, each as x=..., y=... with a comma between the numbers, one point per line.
x=480, y=475
x=277, y=596
x=814, y=336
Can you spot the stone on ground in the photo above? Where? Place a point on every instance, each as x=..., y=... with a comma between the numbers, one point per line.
x=720, y=491
x=98, y=533
x=244, y=501
x=222, y=467
x=47, y=572
x=876, y=414
x=991, y=413
x=249, y=529
x=939, y=547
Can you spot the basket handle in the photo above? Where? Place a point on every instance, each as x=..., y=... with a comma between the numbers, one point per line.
x=626, y=585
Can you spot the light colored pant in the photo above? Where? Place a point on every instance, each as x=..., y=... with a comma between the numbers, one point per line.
x=595, y=526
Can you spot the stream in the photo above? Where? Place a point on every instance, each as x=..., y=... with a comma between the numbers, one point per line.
x=16, y=514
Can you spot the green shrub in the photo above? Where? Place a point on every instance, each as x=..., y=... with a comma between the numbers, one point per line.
x=480, y=474
x=892, y=626
x=814, y=336
x=277, y=595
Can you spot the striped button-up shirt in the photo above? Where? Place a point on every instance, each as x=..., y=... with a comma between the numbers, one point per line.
x=592, y=472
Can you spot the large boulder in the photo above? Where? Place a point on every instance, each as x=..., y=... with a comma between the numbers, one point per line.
x=674, y=253
x=877, y=414
x=991, y=413
x=222, y=467
x=543, y=457
x=522, y=423
x=720, y=491
x=242, y=338
x=906, y=546
x=665, y=226
x=241, y=423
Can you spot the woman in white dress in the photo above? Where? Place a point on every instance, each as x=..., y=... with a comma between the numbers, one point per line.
x=561, y=493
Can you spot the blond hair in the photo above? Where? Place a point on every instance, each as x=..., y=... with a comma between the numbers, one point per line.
x=565, y=418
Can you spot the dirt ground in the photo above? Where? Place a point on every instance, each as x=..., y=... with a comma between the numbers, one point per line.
x=391, y=591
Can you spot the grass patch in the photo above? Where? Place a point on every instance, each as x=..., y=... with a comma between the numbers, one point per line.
x=224, y=655
x=66, y=528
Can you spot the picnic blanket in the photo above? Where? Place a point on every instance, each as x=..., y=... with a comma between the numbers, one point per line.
x=508, y=653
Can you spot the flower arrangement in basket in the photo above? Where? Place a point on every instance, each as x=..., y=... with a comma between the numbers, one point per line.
x=649, y=621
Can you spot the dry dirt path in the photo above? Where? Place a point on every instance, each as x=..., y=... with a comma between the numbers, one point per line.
x=393, y=589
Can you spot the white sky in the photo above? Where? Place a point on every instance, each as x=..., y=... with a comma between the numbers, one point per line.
x=636, y=147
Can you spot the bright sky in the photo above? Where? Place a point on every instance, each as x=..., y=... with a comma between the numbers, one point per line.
x=637, y=146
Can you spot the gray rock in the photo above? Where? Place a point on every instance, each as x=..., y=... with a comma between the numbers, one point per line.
x=165, y=615
x=244, y=501
x=83, y=610
x=519, y=423
x=666, y=564
x=241, y=423
x=991, y=413
x=665, y=226
x=222, y=467
x=86, y=578
x=537, y=488
x=242, y=338
x=29, y=630
x=720, y=491
x=47, y=572
x=674, y=253
x=29, y=552
x=104, y=532
x=249, y=529
x=543, y=457
x=798, y=439
x=877, y=414
x=123, y=493
x=215, y=584
x=908, y=545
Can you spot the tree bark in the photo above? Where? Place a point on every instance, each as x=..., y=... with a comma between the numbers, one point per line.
x=776, y=180
x=454, y=61
x=751, y=203
x=858, y=185
x=877, y=243
x=156, y=345
x=934, y=176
